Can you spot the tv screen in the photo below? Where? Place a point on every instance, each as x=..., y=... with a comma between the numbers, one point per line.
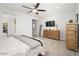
x=50, y=23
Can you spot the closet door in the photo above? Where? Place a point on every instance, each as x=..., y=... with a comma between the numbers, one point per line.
x=1, y=26
x=11, y=28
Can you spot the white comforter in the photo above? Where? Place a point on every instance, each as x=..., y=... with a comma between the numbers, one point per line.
x=12, y=46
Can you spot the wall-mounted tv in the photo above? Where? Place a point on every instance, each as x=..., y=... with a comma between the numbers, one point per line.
x=50, y=23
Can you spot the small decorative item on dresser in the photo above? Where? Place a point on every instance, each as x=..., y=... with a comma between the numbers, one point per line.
x=70, y=21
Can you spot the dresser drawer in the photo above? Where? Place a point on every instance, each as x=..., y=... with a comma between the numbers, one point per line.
x=71, y=25
x=72, y=42
x=71, y=28
x=71, y=38
x=72, y=47
x=71, y=33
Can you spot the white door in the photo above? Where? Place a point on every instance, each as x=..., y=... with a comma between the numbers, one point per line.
x=11, y=26
x=34, y=27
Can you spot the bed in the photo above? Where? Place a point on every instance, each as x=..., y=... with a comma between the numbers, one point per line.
x=20, y=46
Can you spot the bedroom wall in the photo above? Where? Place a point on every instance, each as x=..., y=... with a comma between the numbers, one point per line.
x=77, y=11
x=1, y=27
x=24, y=25
x=61, y=20
x=5, y=18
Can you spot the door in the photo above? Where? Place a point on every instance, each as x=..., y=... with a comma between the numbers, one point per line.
x=40, y=30
x=34, y=27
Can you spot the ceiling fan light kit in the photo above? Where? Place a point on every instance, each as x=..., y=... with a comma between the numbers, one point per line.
x=35, y=9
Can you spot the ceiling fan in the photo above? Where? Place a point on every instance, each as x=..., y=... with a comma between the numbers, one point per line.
x=35, y=9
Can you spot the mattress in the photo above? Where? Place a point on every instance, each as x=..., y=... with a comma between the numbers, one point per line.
x=11, y=46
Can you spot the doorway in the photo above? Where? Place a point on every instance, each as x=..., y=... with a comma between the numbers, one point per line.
x=5, y=28
x=34, y=27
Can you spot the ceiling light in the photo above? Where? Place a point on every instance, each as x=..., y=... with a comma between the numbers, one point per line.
x=34, y=10
x=57, y=7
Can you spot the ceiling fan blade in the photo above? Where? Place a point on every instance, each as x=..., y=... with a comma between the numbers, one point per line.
x=26, y=7
x=29, y=11
x=37, y=13
x=41, y=10
x=37, y=5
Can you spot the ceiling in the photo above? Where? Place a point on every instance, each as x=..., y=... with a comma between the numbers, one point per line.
x=51, y=8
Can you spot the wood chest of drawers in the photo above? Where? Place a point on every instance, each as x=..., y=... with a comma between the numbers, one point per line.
x=54, y=34
x=72, y=36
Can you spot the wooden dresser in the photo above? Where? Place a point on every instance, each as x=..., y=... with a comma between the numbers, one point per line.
x=72, y=31
x=53, y=34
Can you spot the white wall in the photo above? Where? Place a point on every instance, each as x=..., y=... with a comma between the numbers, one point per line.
x=11, y=27
x=24, y=25
x=77, y=11
x=5, y=18
x=61, y=20
x=10, y=20
x=1, y=26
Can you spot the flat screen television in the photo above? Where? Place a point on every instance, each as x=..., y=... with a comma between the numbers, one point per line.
x=50, y=23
